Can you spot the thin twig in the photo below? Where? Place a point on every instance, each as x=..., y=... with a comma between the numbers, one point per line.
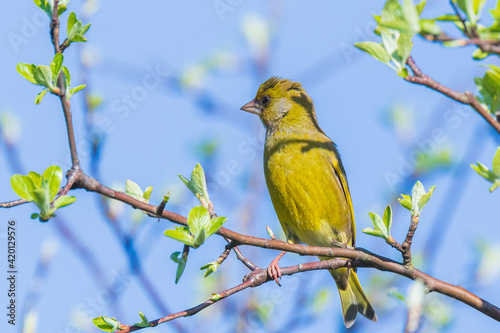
x=457, y=12
x=54, y=33
x=13, y=203
x=406, y=246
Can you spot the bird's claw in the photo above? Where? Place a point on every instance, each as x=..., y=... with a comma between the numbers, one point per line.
x=273, y=270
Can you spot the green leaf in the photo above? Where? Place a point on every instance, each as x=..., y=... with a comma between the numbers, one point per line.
x=64, y=201
x=484, y=172
x=198, y=219
x=106, y=324
x=23, y=186
x=376, y=50
x=388, y=219
x=215, y=225
x=36, y=178
x=133, y=190
x=420, y=7
x=429, y=27
x=66, y=76
x=144, y=321
x=496, y=184
x=478, y=54
x=45, y=6
x=496, y=163
x=405, y=201
x=71, y=21
x=181, y=234
x=41, y=199
x=39, y=97
x=199, y=239
x=181, y=264
x=211, y=267
x=55, y=66
x=197, y=185
x=74, y=90
x=27, y=71
x=447, y=18
x=43, y=76
x=51, y=179
x=416, y=193
x=404, y=47
x=424, y=199
x=370, y=231
x=147, y=194
x=379, y=225
x=199, y=182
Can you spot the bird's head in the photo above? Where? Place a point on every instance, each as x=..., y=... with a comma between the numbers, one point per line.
x=281, y=103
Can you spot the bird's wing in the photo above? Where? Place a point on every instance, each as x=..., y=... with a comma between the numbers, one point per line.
x=342, y=178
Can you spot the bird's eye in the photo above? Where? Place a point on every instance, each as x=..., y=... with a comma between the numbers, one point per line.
x=265, y=100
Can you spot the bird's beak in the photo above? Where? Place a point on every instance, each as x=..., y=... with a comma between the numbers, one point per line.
x=252, y=107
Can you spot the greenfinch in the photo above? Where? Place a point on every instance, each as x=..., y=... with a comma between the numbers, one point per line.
x=307, y=183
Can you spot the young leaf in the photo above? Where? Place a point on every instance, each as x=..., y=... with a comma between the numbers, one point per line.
x=376, y=50
x=43, y=76
x=147, y=194
x=198, y=219
x=181, y=234
x=388, y=219
x=215, y=225
x=199, y=182
x=496, y=163
x=106, y=324
x=199, y=239
x=211, y=267
x=23, y=186
x=420, y=7
x=64, y=201
x=39, y=97
x=405, y=201
x=370, y=231
x=51, y=180
x=181, y=264
x=133, y=189
x=424, y=199
x=76, y=89
x=144, y=321
x=416, y=193
x=55, y=66
x=379, y=225
x=27, y=71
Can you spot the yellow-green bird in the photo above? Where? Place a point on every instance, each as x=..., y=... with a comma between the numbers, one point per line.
x=307, y=183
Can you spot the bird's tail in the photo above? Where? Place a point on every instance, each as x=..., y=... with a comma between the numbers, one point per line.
x=352, y=297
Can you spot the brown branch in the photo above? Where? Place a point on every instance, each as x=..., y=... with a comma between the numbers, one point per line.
x=260, y=276
x=467, y=98
x=13, y=203
x=357, y=257
x=406, y=246
x=54, y=33
x=360, y=257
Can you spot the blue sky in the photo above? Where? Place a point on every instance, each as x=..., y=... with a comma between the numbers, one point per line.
x=154, y=131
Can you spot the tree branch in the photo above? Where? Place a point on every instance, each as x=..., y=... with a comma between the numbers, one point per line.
x=54, y=33
x=467, y=98
x=13, y=203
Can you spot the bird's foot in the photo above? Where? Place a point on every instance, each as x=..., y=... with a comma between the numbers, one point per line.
x=341, y=245
x=273, y=270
